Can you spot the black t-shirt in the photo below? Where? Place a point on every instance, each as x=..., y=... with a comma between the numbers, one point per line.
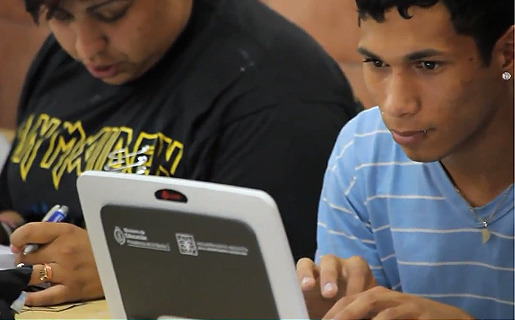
x=243, y=98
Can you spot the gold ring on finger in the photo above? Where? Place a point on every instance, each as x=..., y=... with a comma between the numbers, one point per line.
x=45, y=274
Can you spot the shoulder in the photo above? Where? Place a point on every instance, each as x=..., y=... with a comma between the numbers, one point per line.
x=311, y=120
x=281, y=57
x=261, y=24
x=361, y=162
x=366, y=140
x=49, y=58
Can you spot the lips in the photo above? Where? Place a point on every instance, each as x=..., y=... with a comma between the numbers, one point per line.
x=103, y=71
x=406, y=138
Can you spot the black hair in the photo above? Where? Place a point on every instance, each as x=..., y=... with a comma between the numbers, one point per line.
x=34, y=8
x=484, y=20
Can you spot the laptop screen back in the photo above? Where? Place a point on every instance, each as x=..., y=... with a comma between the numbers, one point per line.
x=186, y=265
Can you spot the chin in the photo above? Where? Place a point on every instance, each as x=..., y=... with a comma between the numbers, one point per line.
x=422, y=155
x=117, y=80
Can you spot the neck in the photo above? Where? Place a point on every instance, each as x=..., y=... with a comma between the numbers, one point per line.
x=483, y=166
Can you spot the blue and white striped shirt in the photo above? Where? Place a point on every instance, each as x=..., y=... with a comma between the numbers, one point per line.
x=407, y=220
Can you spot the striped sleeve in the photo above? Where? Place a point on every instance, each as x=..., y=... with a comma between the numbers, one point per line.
x=343, y=227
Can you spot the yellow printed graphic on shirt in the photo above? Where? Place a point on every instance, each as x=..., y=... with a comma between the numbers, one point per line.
x=63, y=147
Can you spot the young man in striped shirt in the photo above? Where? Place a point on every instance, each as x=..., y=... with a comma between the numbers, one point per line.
x=416, y=213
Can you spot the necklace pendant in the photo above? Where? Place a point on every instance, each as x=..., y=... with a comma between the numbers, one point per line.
x=486, y=235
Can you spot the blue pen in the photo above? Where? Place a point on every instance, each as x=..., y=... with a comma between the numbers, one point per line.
x=56, y=214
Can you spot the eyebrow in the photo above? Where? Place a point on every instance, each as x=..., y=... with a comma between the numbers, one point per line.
x=413, y=56
x=96, y=6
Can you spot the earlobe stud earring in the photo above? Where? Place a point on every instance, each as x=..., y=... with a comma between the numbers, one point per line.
x=506, y=75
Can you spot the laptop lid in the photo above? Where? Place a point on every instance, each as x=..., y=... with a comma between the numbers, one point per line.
x=187, y=249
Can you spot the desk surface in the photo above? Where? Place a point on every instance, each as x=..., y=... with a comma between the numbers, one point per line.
x=87, y=310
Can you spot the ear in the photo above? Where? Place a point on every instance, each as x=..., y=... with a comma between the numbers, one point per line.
x=505, y=49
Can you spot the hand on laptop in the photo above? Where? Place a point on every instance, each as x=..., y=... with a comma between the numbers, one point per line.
x=331, y=280
x=345, y=289
x=70, y=266
x=382, y=303
x=336, y=276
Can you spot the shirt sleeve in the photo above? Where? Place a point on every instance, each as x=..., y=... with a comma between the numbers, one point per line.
x=283, y=150
x=344, y=229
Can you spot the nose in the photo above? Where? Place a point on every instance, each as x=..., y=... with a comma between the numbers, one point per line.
x=90, y=41
x=401, y=96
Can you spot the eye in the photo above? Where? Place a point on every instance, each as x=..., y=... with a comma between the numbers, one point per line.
x=375, y=63
x=61, y=15
x=428, y=65
x=111, y=15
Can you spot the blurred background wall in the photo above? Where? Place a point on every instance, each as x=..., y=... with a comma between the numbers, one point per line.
x=19, y=41
x=332, y=22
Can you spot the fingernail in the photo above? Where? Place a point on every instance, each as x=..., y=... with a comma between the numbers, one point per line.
x=307, y=281
x=329, y=287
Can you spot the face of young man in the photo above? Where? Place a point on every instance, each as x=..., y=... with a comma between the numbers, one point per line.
x=435, y=94
x=119, y=40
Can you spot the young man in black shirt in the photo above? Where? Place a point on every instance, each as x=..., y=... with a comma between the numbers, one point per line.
x=224, y=91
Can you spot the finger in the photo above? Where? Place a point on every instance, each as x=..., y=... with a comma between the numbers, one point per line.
x=16, y=250
x=44, y=254
x=55, y=274
x=338, y=307
x=367, y=304
x=398, y=312
x=53, y=295
x=12, y=218
x=363, y=305
x=306, y=273
x=357, y=308
x=329, y=274
x=39, y=232
x=358, y=274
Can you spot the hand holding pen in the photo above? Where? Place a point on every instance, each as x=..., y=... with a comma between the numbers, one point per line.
x=64, y=260
x=56, y=214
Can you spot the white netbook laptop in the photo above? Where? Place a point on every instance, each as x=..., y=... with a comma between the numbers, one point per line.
x=174, y=248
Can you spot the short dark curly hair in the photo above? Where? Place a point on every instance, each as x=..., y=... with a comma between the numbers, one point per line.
x=484, y=20
x=34, y=8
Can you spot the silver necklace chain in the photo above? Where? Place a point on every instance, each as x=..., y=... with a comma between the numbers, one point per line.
x=484, y=222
